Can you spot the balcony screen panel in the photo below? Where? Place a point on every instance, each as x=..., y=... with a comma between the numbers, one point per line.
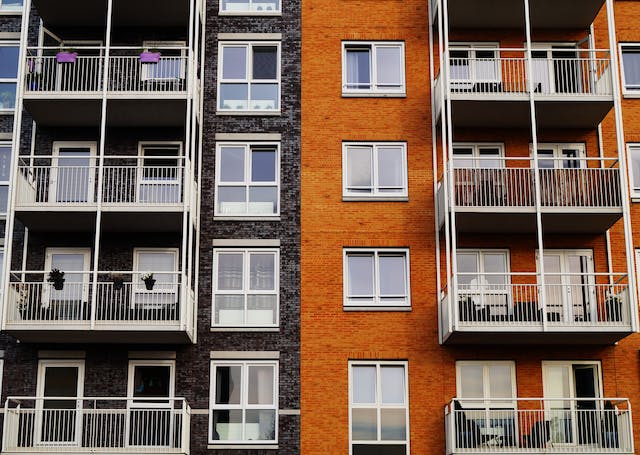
x=9, y=61
x=390, y=169
x=359, y=68
x=265, y=62
x=631, y=64
x=364, y=384
x=389, y=66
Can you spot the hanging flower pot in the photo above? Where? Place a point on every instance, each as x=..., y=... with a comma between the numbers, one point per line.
x=149, y=281
x=149, y=57
x=118, y=282
x=56, y=278
x=66, y=57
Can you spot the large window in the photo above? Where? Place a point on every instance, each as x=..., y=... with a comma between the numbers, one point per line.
x=250, y=7
x=247, y=179
x=378, y=408
x=376, y=278
x=374, y=170
x=246, y=287
x=373, y=68
x=634, y=168
x=9, y=54
x=478, y=381
x=243, y=402
x=249, y=76
x=630, y=68
x=483, y=284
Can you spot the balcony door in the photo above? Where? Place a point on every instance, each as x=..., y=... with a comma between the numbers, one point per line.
x=162, y=294
x=478, y=174
x=160, y=173
x=474, y=67
x=557, y=69
x=571, y=391
x=69, y=301
x=72, y=177
x=569, y=286
x=58, y=419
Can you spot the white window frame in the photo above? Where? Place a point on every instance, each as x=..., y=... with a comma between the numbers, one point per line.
x=245, y=292
x=634, y=186
x=374, y=90
x=378, y=405
x=375, y=187
x=146, y=68
x=486, y=385
x=249, y=45
x=558, y=158
x=6, y=183
x=49, y=252
x=246, y=183
x=481, y=293
x=55, y=168
x=627, y=92
x=375, y=301
x=476, y=147
x=253, y=9
x=151, y=363
x=138, y=286
x=142, y=181
x=244, y=406
x=10, y=43
x=472, y=48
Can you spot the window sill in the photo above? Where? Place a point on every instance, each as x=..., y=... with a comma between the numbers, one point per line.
x=243, y=446
x=377, y=308
x=244, y=329
x=375, y=198
x=251, y=113
x=11, y=13
x=246, y=218
x=250, y=13
x=635, y=198
x=373, y=95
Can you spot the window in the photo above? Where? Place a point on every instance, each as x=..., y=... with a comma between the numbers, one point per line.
x=159, y=291
x=483, y=284
x=378, y=408
x=373, y=68
x=561, y=156
x=171, y=66
x=473, y=66
x=376, y=278
x=252, y=7
x=9, y=54
x=246, y=287
x=633, y=153
x=11, y=5
x=249, y=77
x=244, y=402
x=476, y=156
x=5, y=173
x=478, y=381
x=248, y=179
x=630, y=68
x=160, y=177
x=374, y=170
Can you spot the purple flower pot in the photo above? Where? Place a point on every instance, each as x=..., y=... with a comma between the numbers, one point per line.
x=66, y=57
x=149, y=57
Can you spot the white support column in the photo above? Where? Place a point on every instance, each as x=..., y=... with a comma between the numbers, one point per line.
x=103, y=134
x=536, y=169
x=622, y=156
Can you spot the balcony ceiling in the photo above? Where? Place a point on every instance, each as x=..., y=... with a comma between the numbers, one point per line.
x=521, y=336
x=126, y=13
x=510, y=14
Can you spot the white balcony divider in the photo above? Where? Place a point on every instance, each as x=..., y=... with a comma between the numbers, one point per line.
x=506, y=73
x=127, y=74
x=514, y=300
x=499, y=182
x=539, y=425
x=94, y=425
x=122, y=297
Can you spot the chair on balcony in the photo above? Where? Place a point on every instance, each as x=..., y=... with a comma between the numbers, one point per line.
x=468, y=434
x=610, y=438
x=539, y=436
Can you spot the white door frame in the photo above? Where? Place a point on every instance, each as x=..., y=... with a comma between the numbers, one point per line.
x=48, y=257
x=142, y=146
x=137, y=286
x=53, y=179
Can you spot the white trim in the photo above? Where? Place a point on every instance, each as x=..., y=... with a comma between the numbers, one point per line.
x=147, y=355
x=249, y=137
x=180, y=169
x=133, y=363
x=635, y=186
x=558, y=148
x=275, y=243
x=249, y=36
x=627, y=93
x=48, y=258
x=375, y=192
x=245, y=355
x=476, y=147
x=251, y=11
x=374, y=89
x=55, y=168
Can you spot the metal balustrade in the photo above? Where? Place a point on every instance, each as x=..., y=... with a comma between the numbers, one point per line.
x=48, y=181
x=46, y=75
x=518, y=300
x=90, y=425
x=539, y=425
x=122, y=300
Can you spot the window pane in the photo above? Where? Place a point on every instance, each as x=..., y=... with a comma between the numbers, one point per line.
x=261, y=425
x=5, y=163
x=631, y=64
x=467, y=265
x=634, y=156
x=265, y=62
x=359, y=167
x=234, y=62
x=7, y=95
x=230, y=271
x=229, y=309
x=232, y=164
x=358, y=68
x=364, y=384
x=262, y=309
x=262, y=272
x=392, y=275
x=487, y=156
x=4, y=198
x=495, y=263
x=463, y=157
x=500, y=381
x=390, y=167
x=228, y=384
x=232, y=200
x=9, y=60
x=393, y=423
x=471, y=381
x=234, y=96
x=263, y=200
x=360, y=275
x=264, y=96
x=263, y=165
x=151, y=381
x=389, y=66
x=235, y=5
x=261, y=384
x=364, y=425
x=392, y=379
x=227, y=425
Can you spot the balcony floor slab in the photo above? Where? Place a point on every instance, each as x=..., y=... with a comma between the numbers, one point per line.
x=104, y=333
x=531, y=336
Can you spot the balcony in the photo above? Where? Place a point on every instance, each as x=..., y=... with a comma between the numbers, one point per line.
x=96, y=425
x=142, y=93
x=115, y=307
x=516, y=308
x=489, y=87
x=539, y=425
x=585, y=198
x=139, y=192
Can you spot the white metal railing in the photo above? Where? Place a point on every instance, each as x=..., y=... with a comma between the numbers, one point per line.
x=539, y=425
x=568, y=300
x=89, y=425
x=127, y=74
x=127, y=180
x=500, y=182
x=505, y=72
x=120, y=297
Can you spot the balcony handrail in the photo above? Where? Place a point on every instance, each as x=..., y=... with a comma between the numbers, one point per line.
x=612, y=400
x=546, y=273
x=528, y=158
x=100, y=272
x=19, y=399
x=457, y=47
x=77, y=48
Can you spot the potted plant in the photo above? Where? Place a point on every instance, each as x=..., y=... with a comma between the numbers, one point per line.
x=150, y=56
x=149, y=281
x=118, y=281
x=56, y=277
x=67, y=55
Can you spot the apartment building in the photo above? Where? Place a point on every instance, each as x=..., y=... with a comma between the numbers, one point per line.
x=504, y=320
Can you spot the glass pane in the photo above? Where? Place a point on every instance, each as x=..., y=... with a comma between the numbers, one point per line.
x=631, y=64
x=73, y=175
x=265, y=62
x=228, y=384
x=262, y=309
x=11, y=5
x=359, y=168
x=364, y=425
x=158, y=262
x=389, y=66
x=261, y=384
x=263, y=200
x=234, y=62
x=463, y=158
x=471, y=381
x=232, y=200
x=390, y=167
x=151, y=381
x=393, y=276
x=500, y=381
x=634, y=156
x=545, y=159
x=360, y=275
x=393, y=423
x=227, y=425
x=358, y=68
x=262, y=272
x=467, y=267
x=261, y=425
x=61, y=382
x=234, y=96
x=235, y=5
x=266, y=5
x=230, y=271
x=495, y=263
x=264, y=96
x=392, y=378
x=9, y=60
x=263, y=165
x=5, y=163
x=364, y=384
x=229, y=309
x=4, y=198
x=232, y=164
x=487, y=156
